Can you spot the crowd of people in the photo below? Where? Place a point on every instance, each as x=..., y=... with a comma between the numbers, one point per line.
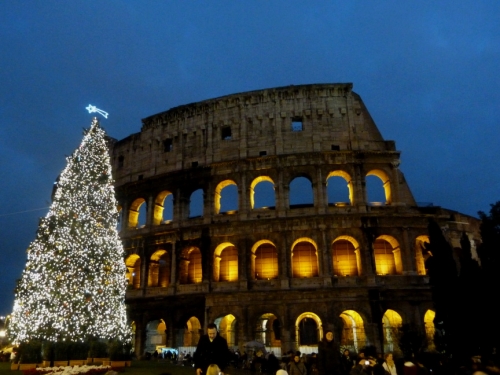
x=212, y=357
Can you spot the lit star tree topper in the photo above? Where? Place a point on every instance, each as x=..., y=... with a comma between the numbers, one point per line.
x=73, y=286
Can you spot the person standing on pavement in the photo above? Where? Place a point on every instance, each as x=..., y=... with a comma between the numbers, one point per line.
x=212, y=349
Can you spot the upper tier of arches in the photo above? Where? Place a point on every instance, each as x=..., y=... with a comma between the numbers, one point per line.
x=253, y=192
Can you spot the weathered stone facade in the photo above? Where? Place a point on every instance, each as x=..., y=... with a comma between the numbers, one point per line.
x=273, y=273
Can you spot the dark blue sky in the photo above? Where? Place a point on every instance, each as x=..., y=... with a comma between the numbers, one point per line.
x=427, y=72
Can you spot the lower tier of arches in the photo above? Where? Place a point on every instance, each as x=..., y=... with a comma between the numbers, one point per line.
x=283, y=321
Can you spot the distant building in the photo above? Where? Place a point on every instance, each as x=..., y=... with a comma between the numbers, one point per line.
x=305, y=223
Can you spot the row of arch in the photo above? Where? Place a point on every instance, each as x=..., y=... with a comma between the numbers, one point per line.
x=308, y=331
x=346, y=259
x=262, y=194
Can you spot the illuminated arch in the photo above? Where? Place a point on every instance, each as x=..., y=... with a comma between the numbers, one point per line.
x=190, y=266
x=225, y=262
x=429, y=328
x=353, y=332
x=156, y=333
x=387, y=256
x=218, y=195
x=227, y=328
x=133, y=263
x=392, y=323
x=254, y=183
x=346, y=256
x=386, y=183
x=133, y=212
x=192, y=332
x=421, y=254
x=159, y=269
x=347, y=179
x=304, y=329
x=304, y=258
x=160, y=206
x=268, y=330
x=264, y=260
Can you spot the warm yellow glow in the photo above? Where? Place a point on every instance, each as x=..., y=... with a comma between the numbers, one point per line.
x=218, y=191
x=347, y=178
x=391, y=322
x=386, y=183
x=194, y=266
x=429, y=327
x=159, y=206
x=304, y=258
x=159, y=269
x=227, y=330
x=315, y=318
x=192, y=332
x=345, y=256
x=419, y=255
x=353, y=332
x=254, y=183
x=162, y=327
x=133, y=263
x=133, y=213
x=387, y=256
x=265, y=260
x=226, y=262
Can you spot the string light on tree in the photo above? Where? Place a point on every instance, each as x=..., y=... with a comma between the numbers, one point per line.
x=73, y=286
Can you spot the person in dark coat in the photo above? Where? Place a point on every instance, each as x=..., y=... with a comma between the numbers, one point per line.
x=346, y=362
x=328, y=356
x=211, y=349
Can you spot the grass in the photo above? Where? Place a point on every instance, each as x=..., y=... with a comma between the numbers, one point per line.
x=138, y=368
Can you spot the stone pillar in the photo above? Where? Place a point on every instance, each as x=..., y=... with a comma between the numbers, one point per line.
x=243, y=198
x=282, y=193
x=408, y=254
x=319, y=189
x=150, y=210
x=144, y=265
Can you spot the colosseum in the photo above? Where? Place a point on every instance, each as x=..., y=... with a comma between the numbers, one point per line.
x=278, y=214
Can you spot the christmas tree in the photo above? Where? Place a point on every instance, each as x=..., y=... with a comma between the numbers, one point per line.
x=73, y=286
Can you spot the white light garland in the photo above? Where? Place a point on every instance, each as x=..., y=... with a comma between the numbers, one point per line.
x=73, y=286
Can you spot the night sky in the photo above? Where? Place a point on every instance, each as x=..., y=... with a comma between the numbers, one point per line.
x=427, y=72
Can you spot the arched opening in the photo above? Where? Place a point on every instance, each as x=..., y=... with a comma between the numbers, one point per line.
x=338, y=193
x=133, y=263
x=345, y=256
x=156, y=334
x=137, y=213
x=227, y=329
x=387, y=256
x=353, y=331
x=192, y=332
x=301, y=193
x=190, y=266
x=226, y=262
x=308, y=332
x=392, y=323
x=159, y=269
x=429, y=328
x=268, y=331
x=304, y=258
x=262, y=193
x=378, y=188
x=164, y=208
x=196, y=204
x=226, y=197
x=265, y=260
x=422, y=253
